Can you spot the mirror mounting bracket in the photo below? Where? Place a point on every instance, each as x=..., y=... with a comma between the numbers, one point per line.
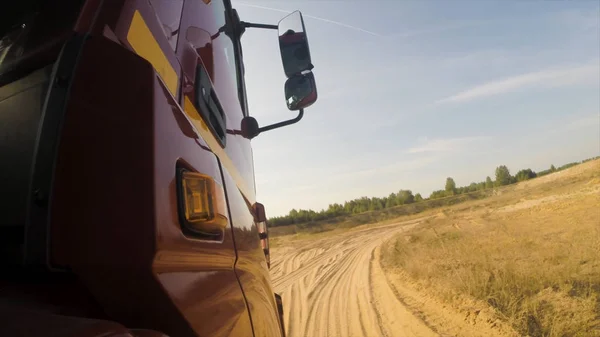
x=250, y=128
x=257, y=25
x=241, y=26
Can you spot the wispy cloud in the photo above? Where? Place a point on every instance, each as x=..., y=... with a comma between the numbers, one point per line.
x=313, y=17
x=546, y=78
x=446, y=145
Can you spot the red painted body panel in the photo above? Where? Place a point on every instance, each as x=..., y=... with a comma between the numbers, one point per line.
x=114, y=221
x=251, y=266
x=103, y=223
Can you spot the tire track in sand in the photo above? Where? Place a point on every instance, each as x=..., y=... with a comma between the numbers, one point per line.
x=335, y=287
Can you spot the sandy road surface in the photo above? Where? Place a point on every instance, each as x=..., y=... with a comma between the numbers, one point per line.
x=335, y=287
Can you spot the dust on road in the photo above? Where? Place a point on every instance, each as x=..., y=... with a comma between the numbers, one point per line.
x=335, y=287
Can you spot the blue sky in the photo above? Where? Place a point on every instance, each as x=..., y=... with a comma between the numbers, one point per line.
x=411, y=92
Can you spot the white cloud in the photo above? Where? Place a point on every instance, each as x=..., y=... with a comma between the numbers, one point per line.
x=446, y=145
x=546, y=78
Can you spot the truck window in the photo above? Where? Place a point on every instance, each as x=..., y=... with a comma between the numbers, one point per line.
x=169, y=15
x=226, y=44
x=211, y=19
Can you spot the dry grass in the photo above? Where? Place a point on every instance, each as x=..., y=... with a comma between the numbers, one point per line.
x=532, y=253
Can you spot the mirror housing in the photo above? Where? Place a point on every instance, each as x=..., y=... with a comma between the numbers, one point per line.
x=293, y=45
x=300, y=91
x=300, y=87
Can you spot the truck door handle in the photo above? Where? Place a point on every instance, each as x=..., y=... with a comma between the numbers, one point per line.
x=209, y=105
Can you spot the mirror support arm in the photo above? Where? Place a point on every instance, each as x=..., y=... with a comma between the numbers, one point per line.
x=250, y=128
x=258, y=25
x=284, y=123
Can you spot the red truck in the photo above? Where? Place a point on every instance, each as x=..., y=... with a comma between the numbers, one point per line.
x=127, y=191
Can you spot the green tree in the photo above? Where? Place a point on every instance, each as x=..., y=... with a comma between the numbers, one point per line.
x=552, y=168
x=503, y=176
x=566, y=166
x=391, y=201
x=293, y=215
x=525, y=175
x=418, y=197
x=405, y=197
x=488, y=182
x=437, y=194
x=472, y=187
x=376, y=204
x=450, y=186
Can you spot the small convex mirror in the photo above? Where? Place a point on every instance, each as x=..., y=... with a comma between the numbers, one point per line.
x=300, y=91
x=293, y=44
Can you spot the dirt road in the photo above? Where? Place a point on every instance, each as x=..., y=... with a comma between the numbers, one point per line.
x=335, y=287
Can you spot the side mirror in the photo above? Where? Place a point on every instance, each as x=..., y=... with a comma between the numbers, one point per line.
x=293, y=45
x=300, y=91
x=300, y=87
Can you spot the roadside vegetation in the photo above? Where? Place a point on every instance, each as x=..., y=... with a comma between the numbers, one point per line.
x=403, y=203
x=530, y=255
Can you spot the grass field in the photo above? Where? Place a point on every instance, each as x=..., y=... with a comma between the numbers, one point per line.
x=530, y=256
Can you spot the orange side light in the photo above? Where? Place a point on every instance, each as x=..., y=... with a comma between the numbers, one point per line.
x=203, y=203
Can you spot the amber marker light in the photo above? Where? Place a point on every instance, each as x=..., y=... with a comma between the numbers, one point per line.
x=202, y=204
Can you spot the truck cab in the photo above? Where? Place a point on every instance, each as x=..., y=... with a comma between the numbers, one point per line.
x=128, y=198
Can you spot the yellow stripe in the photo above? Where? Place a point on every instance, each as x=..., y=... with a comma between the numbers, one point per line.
x=214, y=145
x=145, y=45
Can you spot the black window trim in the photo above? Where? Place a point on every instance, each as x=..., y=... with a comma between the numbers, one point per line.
x=239, y=59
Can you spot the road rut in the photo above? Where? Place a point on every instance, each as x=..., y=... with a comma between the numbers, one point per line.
x=335, y=287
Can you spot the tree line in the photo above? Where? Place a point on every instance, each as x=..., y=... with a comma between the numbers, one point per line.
x=502, y=177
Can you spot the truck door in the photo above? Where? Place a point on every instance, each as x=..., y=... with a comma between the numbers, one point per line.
x=197, y=272
x=212, y=63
